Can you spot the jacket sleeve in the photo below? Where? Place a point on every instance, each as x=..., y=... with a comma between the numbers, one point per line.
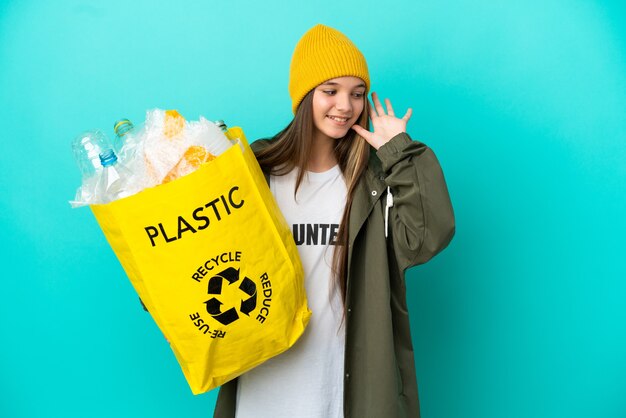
x=421, y=220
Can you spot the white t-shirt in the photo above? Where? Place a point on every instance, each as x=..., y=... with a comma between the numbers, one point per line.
x=306, y=381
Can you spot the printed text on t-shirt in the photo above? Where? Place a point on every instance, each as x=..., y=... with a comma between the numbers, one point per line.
x=315, y=234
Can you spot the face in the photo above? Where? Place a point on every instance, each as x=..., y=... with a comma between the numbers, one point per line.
x=337, y=105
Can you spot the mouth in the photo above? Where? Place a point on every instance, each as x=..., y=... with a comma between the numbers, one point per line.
x=339, y=121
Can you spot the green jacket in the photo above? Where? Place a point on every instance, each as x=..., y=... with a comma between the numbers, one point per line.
x=380, y=380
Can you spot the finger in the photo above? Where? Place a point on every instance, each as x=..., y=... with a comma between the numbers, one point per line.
x=379, y=106
x=372, y=112
x=390, y=111
x=367, y=135
x=408, y=114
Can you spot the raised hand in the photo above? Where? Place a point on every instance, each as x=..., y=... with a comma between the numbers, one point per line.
x=385, y=126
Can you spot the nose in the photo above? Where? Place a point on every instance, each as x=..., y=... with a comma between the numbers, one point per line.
x=343, y=103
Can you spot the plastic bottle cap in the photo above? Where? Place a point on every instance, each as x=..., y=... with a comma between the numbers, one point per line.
x=220, y=124
x=108, y=158
x=122, y=126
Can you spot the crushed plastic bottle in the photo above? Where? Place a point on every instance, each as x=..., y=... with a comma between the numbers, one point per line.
x=224, y=128
x=127, y=140
x=86, y=148
x=209, y=135
x=158, y=151
x=195, y=156
x=114, y=181
x=205, y=140
x=174, y=147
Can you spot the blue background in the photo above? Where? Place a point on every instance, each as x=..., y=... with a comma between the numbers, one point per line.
x=523, y=102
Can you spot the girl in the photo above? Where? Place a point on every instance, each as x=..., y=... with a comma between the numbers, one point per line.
x=364, y=207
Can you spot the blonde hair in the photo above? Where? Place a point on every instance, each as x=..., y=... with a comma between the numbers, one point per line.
x=291, y=148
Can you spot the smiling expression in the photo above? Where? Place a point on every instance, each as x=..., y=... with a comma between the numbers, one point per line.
x=337, y=105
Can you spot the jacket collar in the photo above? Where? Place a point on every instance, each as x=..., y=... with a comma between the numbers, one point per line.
x=368, y=190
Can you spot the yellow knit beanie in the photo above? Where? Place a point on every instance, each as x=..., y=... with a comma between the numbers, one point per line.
x=321, y=54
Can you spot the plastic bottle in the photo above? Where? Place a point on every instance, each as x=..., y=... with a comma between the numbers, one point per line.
x=206, y=140
x=193, y=158
x=222, y=125
x=121, y=128
x=86, y=148
x=113, y=182
x=216, y=142
x=127, y=140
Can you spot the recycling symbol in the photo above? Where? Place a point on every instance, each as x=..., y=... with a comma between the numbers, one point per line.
x=216, y=286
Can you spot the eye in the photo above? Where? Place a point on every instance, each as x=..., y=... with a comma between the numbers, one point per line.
x=330, y=92
x=358, y=95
